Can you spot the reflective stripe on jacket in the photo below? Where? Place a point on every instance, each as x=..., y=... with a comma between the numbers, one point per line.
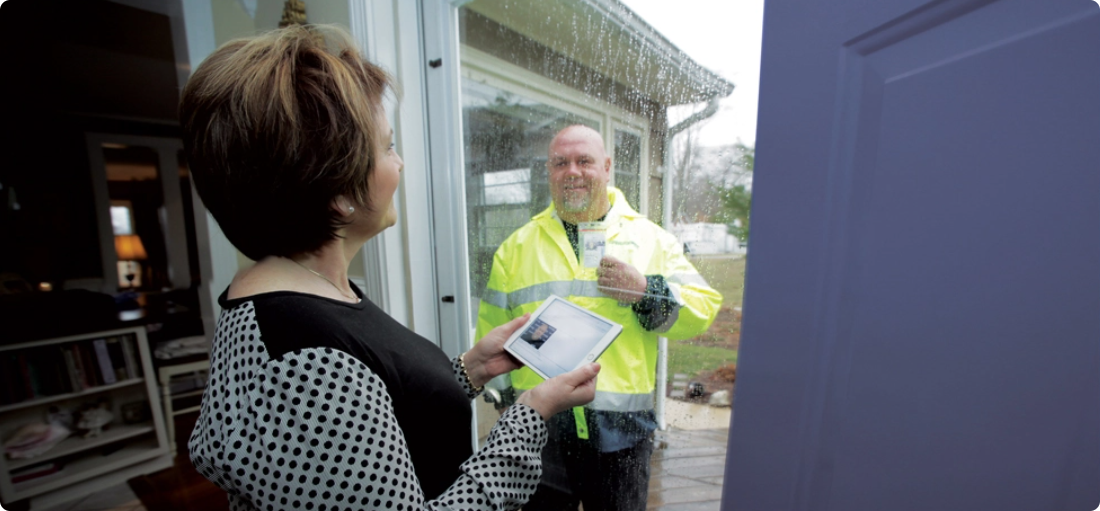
x=537, y=261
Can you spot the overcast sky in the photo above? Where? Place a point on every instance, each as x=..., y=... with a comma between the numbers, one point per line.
x=723, y=36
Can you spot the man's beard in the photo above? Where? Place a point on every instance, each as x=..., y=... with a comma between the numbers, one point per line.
x=576, y=202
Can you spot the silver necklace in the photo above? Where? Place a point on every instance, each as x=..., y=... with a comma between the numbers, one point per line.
x=341, y=291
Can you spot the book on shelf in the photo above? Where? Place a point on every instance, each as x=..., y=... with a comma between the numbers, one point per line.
x=104, y=360
x=44, y=371
x=81, y=371
x=25, y=374
x=188, y=382
x=17, y=390
x=129, y=354
x=35, y=471
x=118, y=360
x=66, y=354
x=49, y=372
x=5, y=389
x=90, y=364
x=12, y=391
x=32, y=375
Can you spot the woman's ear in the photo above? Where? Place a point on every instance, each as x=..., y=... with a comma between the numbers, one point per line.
x=343, y=205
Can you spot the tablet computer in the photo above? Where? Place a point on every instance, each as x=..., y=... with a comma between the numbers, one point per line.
x=560, y=337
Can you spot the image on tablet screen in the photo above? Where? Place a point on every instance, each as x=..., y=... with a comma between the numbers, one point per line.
x=537, y=333
x=569, y=336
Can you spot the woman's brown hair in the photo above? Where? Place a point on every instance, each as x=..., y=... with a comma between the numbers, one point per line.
x=275, y=128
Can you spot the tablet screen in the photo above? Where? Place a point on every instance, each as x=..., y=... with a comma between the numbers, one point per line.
x=559, y=338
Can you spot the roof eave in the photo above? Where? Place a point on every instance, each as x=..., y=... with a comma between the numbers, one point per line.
x=591, y=32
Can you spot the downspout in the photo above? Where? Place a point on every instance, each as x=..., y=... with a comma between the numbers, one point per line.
x=666, y=220
x=666, y=156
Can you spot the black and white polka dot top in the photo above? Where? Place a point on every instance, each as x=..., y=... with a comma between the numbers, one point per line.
x=320, y=404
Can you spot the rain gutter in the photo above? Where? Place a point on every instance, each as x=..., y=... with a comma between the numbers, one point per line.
x=631, y=52
x=659, y=45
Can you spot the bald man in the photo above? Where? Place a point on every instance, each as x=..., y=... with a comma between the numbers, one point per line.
x=598, y=455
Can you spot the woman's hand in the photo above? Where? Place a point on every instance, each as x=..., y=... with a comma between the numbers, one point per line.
x=487, y=359
x=562, y=392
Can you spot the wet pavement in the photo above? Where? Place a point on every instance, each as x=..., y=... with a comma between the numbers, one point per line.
x=686, y=469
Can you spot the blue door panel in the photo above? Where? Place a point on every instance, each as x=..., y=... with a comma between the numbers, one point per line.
x=922, y=308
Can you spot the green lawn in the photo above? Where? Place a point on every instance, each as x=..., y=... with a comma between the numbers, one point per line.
x=690, y=360
x=727, y=276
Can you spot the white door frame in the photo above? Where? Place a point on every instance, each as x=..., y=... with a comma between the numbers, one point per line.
x=411, y=266
x=375, y=27
x=448, y=184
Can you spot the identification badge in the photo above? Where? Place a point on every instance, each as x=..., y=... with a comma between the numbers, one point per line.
x=593, y=239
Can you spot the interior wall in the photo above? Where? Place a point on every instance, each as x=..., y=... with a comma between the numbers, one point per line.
x=92, y=71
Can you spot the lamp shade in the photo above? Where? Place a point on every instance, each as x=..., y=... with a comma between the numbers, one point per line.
x=129, y=248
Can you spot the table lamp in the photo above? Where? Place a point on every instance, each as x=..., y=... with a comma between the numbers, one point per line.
x=129, y=250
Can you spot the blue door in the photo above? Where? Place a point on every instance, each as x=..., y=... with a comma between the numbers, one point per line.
x=922, y=309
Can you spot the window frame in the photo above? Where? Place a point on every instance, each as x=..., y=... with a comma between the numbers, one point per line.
x=643, y=175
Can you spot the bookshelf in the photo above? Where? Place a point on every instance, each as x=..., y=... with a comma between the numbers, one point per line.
x=110, y=369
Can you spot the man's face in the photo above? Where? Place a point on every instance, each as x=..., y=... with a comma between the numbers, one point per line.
x=579, y=170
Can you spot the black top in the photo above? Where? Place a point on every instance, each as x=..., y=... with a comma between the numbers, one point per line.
x=417, y=374
x=316, y=401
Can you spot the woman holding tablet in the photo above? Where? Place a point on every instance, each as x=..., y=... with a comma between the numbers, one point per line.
x=317, y=398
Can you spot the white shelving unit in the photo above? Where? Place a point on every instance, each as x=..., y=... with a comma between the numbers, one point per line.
x=165, y=375
x=90, y=464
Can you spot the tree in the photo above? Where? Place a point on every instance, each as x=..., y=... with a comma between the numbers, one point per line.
x=685, y=168
x=734, y=192
x=712, y=184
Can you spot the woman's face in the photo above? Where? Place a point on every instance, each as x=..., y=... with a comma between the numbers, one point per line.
x=383, y=184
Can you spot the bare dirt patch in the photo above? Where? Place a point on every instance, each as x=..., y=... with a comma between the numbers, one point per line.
x=724, y=333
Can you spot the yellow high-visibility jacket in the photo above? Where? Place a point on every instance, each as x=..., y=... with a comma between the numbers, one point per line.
x=537, y=261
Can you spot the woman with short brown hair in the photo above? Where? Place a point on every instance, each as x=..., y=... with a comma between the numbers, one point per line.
x=317, y=398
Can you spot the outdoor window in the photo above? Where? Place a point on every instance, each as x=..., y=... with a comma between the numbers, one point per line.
x=122, y=222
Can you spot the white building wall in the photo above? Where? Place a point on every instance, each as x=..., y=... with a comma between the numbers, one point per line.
x=707, y=238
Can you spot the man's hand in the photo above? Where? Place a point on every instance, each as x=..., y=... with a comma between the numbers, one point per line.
x=487, y=359
x=620, y=281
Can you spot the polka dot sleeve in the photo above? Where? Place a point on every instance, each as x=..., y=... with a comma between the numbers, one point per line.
x=460, y=376
x=318, y=432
